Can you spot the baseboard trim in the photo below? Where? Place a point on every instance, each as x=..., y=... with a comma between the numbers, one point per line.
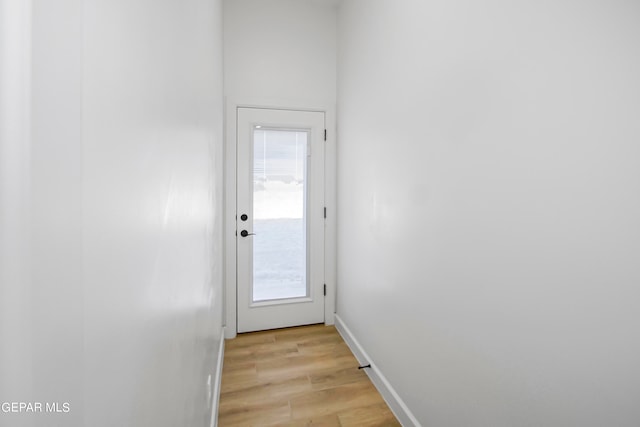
x=399, y=408
x=218, y=381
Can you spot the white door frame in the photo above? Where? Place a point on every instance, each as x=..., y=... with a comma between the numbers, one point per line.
x=230, y=199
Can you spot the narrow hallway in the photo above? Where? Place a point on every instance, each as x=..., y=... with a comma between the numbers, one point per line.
x=455, y=185
x=297, y=376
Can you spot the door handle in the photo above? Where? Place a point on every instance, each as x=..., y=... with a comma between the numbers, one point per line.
x=245, y=233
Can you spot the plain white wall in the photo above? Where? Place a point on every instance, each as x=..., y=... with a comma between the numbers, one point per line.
x=279, y=53
x=114, y=181
x=42, y=325
x=15, y=63
x=282, y=50
x=489, y=196
x=56, y=170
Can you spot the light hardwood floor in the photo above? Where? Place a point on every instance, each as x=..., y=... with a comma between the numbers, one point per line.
x=303, y=376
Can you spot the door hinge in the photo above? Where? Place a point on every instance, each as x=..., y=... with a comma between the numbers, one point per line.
x=325, y=134
x=325, y=289
x=325, y=212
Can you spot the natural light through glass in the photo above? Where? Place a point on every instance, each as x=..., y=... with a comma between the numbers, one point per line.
x=279, y=214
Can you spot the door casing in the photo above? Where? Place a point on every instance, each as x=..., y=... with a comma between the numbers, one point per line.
x=230, y=203
x=278, y=313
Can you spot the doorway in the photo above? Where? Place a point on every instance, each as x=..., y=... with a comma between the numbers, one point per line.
x=279, y=218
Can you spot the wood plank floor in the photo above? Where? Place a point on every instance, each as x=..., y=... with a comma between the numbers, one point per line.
x=303, y=376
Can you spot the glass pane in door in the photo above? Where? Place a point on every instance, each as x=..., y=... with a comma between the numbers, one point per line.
x=279, y=214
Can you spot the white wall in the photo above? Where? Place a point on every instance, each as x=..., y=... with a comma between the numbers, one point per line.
x=152, y=168
x=15, y=359
x=121, y=162
x=279, y=53
x=282, y=50
x=489, y=182
x=56, y=299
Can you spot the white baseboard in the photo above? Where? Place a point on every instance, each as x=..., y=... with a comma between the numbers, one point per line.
x=217, y=381
x=399, y=408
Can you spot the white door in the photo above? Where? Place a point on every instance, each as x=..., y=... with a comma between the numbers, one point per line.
x=280, y=218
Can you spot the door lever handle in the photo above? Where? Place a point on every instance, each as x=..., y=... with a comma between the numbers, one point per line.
x=245, y=233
